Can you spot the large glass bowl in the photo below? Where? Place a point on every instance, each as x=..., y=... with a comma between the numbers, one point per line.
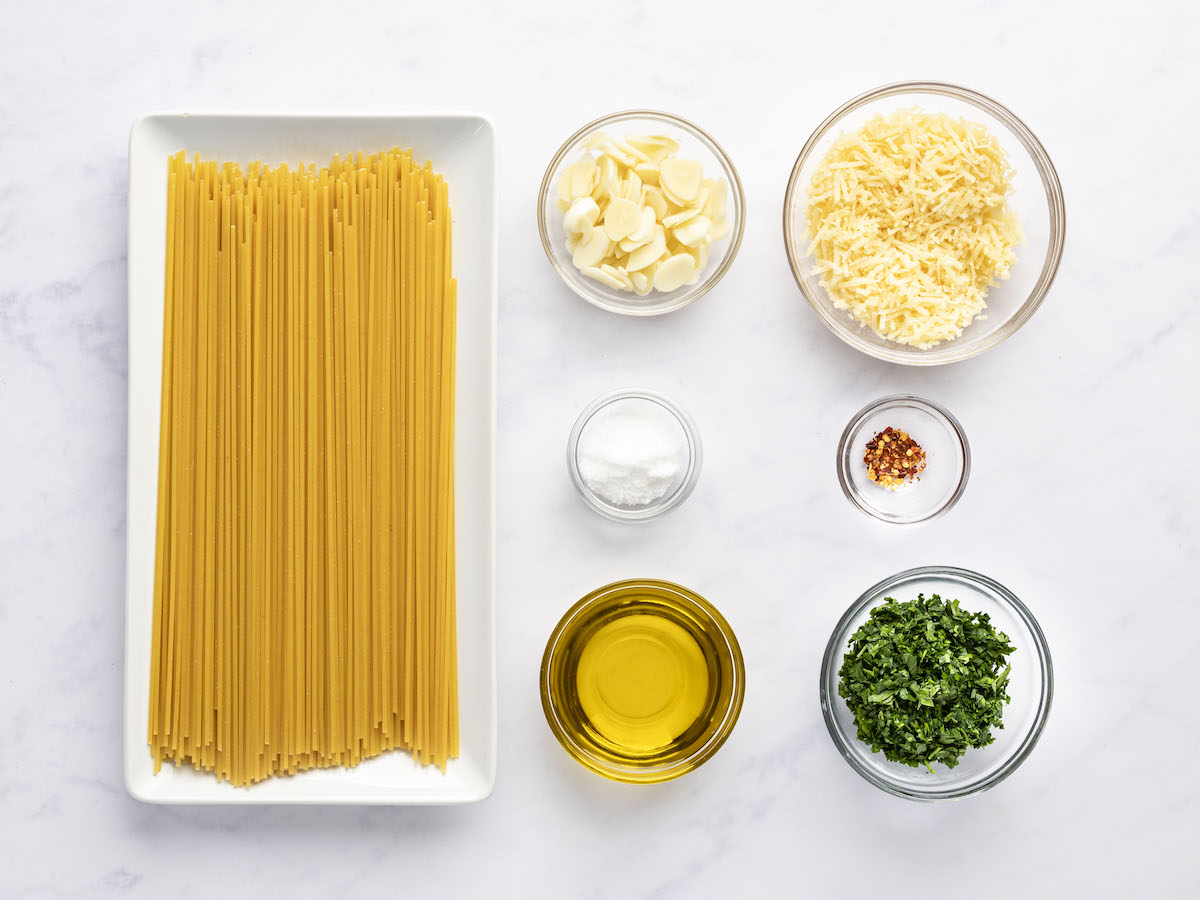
x=1031, y=687
x=1037, y=200
x=694, y=143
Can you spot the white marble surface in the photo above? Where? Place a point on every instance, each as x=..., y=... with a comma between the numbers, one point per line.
x=1077, y=424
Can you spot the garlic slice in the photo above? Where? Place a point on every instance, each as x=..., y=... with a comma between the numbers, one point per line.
x=681, y=177
x=714, y=207
x=674, y=272
x=645, y=230
x=604, y=277
x=650, y=253
x=692, y=232
x=583, y=177
x=653, y=198
x=608, y=180
x=648, y=172
x=584, y=210
x=656, y=146
x=676, y=219
x=592, y=247
x=620, y=275
x=621, y=218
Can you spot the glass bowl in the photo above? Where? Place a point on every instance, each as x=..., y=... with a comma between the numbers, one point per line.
x=1037, y=199
x=721, y=706
x=1031, y=687
x=947, y=460
x=676, y=493
x=694, y=143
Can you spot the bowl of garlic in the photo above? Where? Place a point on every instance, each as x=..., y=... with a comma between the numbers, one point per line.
x=641, y=212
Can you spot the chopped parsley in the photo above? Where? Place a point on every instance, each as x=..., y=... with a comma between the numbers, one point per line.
x=926, y=680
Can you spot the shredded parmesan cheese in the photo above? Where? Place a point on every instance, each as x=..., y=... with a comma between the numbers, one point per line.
x=909, y=224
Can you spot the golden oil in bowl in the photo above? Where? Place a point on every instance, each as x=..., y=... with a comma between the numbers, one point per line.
x=642, y=680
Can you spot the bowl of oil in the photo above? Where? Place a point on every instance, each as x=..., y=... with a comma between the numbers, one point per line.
x=642, y=681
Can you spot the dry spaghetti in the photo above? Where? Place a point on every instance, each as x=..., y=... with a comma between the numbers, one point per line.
x=304, y=573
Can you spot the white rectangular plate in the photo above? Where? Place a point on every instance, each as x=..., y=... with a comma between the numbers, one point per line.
x=462, y=147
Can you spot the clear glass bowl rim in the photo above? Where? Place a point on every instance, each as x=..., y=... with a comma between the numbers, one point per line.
x=843, y=461
x=1054, y=199
x=636, y=774
x=686, y=297
x=835, y=648
x=666, y=503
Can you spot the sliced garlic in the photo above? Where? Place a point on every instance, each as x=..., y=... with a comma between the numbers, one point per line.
x=650, y=253
x=603, y=277
x=638, y=218
x=681, y=177
x=631, y=187
x=654, y=199
x=608, y=180
x=648, y=172
x=693, y=231
x=676, y=219
x=584, y=210
x=620, y=274
x=621, y=217
x=656, y=146
x=592, y=247
x=628, y=245
x=645, y=230
x=583, y=177
x=714, y=208
x=630, y=151
x=673, y=202
x=674, y=272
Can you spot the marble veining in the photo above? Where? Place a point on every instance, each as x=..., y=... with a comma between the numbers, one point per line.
x=1079, y=426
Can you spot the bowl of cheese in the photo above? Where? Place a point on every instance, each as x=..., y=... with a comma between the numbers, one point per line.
x=640, y=212
x=924, y=223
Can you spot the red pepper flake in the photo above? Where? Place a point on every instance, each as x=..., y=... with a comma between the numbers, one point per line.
x=893, y=458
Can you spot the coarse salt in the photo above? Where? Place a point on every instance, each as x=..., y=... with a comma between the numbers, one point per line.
x=632, y=452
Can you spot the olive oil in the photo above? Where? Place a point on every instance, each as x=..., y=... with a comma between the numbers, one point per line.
x=642, y=680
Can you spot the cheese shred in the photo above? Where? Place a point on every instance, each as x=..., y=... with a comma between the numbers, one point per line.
x=909, y=224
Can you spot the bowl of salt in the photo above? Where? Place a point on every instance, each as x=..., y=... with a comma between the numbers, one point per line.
x=634, y=454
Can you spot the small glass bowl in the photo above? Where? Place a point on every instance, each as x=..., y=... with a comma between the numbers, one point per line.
x=685, y=608
x=947, y=460
x=694, y=143
x=1031, y=687
x=1037, y=200
x=678, y=492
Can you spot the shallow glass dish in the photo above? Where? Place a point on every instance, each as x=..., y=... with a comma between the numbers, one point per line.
x=947, y=460
x=1037, y=200
x=1031, y=687
x=694, y=143
x=675, y=495
x=721, y=706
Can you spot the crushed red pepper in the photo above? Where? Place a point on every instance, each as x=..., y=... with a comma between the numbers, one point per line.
x=893, y=458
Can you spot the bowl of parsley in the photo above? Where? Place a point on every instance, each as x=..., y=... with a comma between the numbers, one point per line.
x=936, y=683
